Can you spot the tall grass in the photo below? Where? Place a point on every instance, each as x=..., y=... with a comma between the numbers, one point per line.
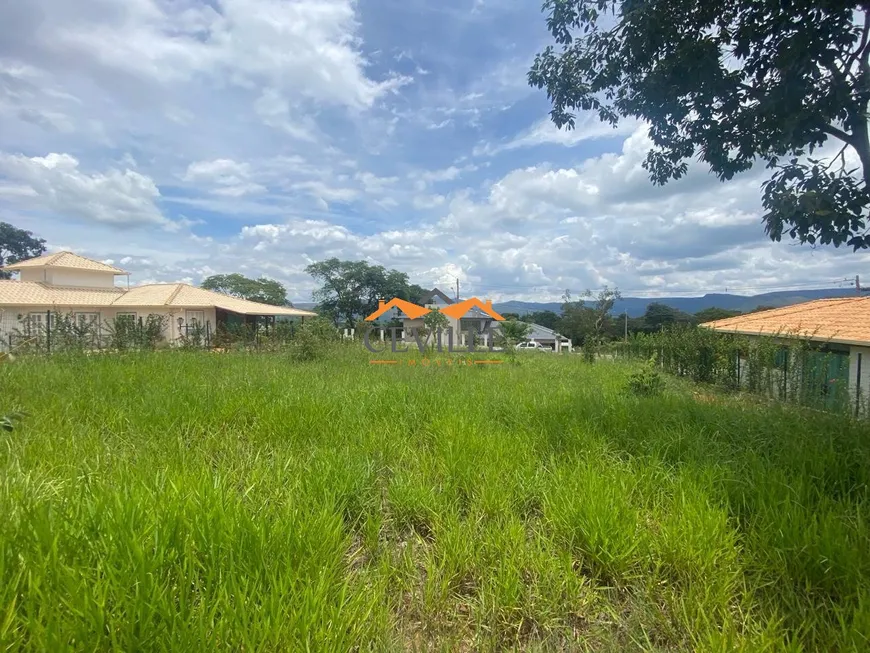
x=194, y=501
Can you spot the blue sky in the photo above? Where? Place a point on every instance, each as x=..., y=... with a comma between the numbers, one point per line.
x=185, y=138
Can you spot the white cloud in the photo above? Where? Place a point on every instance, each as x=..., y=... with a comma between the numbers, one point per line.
x=588, y=127
x=306, y=49
x=113, y=197
x=224, y=176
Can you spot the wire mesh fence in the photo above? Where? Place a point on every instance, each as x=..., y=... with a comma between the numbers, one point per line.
x=796, y=370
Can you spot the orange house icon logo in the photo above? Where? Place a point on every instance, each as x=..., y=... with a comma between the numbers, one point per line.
x=456, y=311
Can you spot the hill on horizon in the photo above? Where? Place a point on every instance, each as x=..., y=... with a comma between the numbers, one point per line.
x=636, y=306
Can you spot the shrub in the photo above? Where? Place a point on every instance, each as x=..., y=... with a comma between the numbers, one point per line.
x=646, y=382
x=313, y=339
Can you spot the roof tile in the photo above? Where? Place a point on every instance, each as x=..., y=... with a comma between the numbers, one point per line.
x=64, y=260
x=843, y=320
x=180, y=295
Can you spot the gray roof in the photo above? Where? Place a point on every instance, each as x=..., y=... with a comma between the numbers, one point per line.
x=432, y=294
x=539, y=332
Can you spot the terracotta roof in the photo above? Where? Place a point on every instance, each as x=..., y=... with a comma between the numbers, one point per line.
x=33, y=293
x=183, y=295
x=844, y=320
x=64, y=260
x=458, y=311
x=180, y=295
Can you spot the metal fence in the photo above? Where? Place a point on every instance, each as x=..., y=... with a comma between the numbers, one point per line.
x=812, y=377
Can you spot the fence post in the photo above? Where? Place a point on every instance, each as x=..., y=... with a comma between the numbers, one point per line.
x=858, y=388
x=737, y=353
x=48, y=331
x=208, y=333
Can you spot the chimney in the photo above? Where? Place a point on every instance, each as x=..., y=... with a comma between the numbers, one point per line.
x=489, y=303
x=380, y=304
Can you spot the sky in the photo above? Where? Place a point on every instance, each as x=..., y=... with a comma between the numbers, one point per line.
x=183, y=138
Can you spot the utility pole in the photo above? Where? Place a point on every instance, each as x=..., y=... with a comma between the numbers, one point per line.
x=857, y=284
x=626, y=325
x=457, y=289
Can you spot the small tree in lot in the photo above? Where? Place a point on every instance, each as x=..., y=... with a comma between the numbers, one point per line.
x=510, y=334
x=432, y=322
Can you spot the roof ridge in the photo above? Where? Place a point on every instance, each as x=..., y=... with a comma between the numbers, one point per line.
x=174, y=293
x=52, y=286
x=51, y=259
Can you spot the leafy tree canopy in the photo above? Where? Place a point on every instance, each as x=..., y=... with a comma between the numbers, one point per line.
x=659, y=315
x=350, y=290
x=513, y=331
x=547, y=319
x=730, y=83
x=17, y=245
x=435, y=320
x=265, y=291
x=587, y=321
x=714, y=313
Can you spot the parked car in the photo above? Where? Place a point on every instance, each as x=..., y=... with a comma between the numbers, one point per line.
x=532, y=346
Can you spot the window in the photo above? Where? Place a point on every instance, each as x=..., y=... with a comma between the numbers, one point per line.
x=127, y=317
x=35, y=323
x=195, y=318
x=87, y=319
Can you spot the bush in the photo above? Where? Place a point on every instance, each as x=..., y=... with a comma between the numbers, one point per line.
x=646, y=382
x=313, y=339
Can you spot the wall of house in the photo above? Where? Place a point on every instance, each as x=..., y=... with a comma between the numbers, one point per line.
x=9, y=322
x=65, y=277
x=408, y=324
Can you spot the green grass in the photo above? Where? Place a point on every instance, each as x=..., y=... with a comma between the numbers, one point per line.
x=185, y=501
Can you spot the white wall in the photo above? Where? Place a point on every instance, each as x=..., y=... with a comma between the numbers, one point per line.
x=860, y=396
x=64, y=277
x=9, y=321
x=408, y=324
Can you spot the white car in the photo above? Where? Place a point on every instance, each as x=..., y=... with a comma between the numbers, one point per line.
x=532, y=346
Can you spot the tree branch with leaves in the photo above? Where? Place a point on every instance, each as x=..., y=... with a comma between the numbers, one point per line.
x=17, y=245
x=731, y=84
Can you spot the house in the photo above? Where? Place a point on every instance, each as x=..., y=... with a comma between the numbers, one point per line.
x=66, y=283
x=839, y=327
x=463, y=316
x=548, y=338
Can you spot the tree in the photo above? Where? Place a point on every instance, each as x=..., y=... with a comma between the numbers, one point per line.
x=604, y=302
x=435, y=320
x=659, y=315
x=17, y=245
x=511, y=333
x=577, y=320
x=713, y=313
x=731, y=83
x=263, y=290
x=547, y=319
x=758, y=309
x=351, y=289
x=587, y=324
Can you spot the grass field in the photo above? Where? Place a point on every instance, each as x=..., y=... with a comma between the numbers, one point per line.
x=191, y=502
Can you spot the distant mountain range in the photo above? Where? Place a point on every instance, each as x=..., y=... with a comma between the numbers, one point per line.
x=636, y=306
